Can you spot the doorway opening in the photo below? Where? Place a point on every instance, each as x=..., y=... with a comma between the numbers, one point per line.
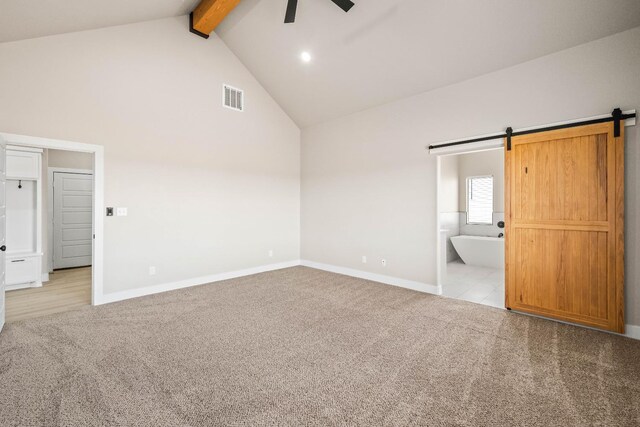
x=54, y=232
x=49, y=222
x=471, y=226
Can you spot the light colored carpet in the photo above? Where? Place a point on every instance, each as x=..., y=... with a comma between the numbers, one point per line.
x=305, y=347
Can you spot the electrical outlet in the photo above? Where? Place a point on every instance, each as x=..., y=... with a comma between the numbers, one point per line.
x=121, y=211
x=271, y=253
x=364, y=259
x=384, y=262
x=152, y=271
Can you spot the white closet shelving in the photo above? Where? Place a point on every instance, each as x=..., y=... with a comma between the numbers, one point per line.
x=24, y=218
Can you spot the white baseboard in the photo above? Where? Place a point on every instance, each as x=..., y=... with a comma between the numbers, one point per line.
x=149, y=290
x=45, y=277
x=632, y=331
x=389, y=280
x=23, y=286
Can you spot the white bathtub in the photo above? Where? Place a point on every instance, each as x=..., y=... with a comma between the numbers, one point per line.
x=479, y=250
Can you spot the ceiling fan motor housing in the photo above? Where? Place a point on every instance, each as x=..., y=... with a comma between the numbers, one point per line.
x=292, y=6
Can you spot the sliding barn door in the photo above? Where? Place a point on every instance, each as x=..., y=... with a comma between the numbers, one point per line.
x=564, y=237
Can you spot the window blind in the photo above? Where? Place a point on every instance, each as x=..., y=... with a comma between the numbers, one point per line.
x=480, y=200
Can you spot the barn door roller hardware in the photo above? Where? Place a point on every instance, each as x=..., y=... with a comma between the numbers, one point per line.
x=617, y=117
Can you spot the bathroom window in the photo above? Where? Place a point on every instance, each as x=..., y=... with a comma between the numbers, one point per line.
x=480, y=200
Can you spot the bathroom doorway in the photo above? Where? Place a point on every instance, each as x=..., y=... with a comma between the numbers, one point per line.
x=471, y=226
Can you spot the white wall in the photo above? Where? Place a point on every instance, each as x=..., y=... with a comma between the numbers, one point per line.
x=490, y=162
x=208, y=189
x=448, y=203
x=450, y=184
x=369, y=185
x=70, y=159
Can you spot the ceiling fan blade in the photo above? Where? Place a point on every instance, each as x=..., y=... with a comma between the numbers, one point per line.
x=290, y=16
x=344, y=4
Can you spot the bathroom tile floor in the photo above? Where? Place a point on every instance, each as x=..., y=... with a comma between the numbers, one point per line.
x=481, y=285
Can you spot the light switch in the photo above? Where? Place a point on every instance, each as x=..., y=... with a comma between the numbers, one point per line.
x=121, y=211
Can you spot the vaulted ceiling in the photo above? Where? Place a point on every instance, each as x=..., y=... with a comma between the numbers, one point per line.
x=383, y=50
x=25, y=19
x=380, y=51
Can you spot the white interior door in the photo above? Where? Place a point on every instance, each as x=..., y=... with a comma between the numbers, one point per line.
x=3, y=221
x=72, y=211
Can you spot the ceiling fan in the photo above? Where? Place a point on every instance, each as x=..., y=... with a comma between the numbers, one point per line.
x=292, y=5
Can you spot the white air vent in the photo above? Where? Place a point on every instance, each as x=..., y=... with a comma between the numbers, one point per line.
x=233, y=98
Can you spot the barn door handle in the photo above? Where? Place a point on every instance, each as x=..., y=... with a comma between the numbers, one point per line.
x=3, y=248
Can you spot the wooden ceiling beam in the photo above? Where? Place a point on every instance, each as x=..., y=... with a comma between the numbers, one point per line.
x=208, y=14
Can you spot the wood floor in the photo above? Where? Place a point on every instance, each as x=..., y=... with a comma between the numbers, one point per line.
x=66, y=290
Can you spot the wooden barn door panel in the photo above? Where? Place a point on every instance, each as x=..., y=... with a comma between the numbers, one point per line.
x=564, y=211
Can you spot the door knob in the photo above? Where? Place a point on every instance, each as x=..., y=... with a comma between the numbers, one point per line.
x=3, y=248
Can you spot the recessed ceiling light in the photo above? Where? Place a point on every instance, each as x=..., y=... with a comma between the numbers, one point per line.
x=305, y=56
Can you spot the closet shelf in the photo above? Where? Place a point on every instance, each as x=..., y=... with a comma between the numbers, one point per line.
x=23, y=262
x=22, y=254
x=19, y=178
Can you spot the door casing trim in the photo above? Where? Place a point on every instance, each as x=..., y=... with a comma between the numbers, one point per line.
x=97, y=270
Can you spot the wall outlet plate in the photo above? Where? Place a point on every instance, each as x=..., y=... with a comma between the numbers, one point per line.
x=121, y=211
